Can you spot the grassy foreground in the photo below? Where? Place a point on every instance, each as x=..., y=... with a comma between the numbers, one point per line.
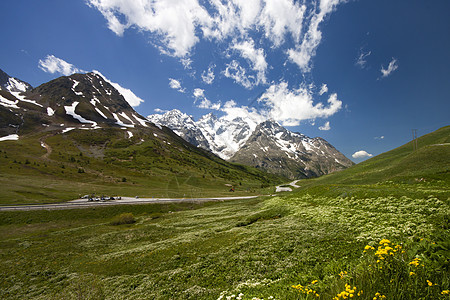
x=291, y=247
x=379, y=230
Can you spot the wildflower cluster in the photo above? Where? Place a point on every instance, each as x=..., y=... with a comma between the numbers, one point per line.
x=306, y=289
x=349, y=292
x=343, y=274
x=415, y=262
x=379, y=296
x=385, y=249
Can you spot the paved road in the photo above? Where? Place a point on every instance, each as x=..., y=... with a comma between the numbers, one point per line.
x=83, y=203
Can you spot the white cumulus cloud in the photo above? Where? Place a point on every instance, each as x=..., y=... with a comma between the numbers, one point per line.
x=361, y=154
x=289, y=107
x=208, y=75
x=174, y=22
x=323, y=89
x=256, y=57
x=391, y=68
x=199, y=95
x=303, y=52
x=176, y=85
x=52, y=64
x=176, y=26
x=239, y=74
x=325, y=126
x=233, y=111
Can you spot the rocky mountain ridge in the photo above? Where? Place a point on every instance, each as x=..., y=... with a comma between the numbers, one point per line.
x=277, y=150
x=268, y=145
x=84, y=101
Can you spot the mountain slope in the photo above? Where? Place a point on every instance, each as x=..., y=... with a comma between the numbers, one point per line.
x=280, y=151
x=78, y=101
x=432, y=158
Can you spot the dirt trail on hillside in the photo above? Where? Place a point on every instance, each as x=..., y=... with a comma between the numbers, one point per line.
x=46, y=146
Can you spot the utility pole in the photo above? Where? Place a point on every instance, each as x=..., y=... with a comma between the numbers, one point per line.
x=414, y=141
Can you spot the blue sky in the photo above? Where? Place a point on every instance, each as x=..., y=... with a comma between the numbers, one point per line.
x=360, y=74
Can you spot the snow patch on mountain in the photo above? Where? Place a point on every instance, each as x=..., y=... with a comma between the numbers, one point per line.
x=75, y=84
x=15, y=85
x=70, y=110
x=11, y=137
x=100, y=113
x=50, y=111
x=120, y=122
x=8, y=103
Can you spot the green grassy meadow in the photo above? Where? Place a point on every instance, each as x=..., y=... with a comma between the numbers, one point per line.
x=106, y=162
x=379, y=230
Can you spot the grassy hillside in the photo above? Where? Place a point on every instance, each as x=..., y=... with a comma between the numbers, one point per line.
x=401, y=171
x=52, y=167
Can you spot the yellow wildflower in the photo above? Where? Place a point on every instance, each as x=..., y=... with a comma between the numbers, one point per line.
x=412, y=273
x=429, y=283
x=445, y=292
x=415, y=262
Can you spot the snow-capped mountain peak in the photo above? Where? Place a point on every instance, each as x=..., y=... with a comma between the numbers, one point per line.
x=219, y=135
x=183, y=125
x=12, y=84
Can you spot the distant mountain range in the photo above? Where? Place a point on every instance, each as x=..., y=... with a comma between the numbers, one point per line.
x=89, y=102
x=267, y=146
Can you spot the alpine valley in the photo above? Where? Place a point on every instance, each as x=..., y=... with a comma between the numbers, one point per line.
x=78, y=135
x=83, y=126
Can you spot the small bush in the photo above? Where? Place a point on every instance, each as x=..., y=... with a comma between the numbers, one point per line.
x=125, y=218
